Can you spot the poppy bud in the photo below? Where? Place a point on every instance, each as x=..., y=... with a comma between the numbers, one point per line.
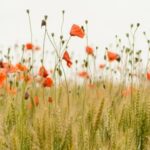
x=52, y=34
x=86, y=21
x=26, y=96
x=118, y=59
x=76, y=61
x=43, y=23
x=17, y=83
x=59, y=72
x=138, y=24
x=45, y=17
x=86, y=63
x=131, y=26
x=104, y=57
x=82, y=28
x=28, y=11
x=136, y=59
x=61, y=37
x=1, y=64
x=104, y=86
x=127, y=35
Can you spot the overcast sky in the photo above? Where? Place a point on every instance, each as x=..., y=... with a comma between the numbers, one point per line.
x=106, y=19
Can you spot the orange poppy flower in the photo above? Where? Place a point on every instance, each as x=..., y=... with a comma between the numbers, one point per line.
x=36, y=100
x=29, y=46
x=66, y=57
x=43, y=72
x=2, y=78
x=21, y=67
x=101, y=66
x=89, y=50
x=76, y=31
x=83, y=74
x=148, y=75
x=48, y=82
x=9, y=68
x=112, y=56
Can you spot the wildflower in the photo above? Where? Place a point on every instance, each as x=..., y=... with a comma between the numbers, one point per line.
x=101, y=66
x=89, y=50
x=76, y=31
x=9, y=68
x=113, y=56
x=21, y=67
x=48, y=82
x=29, y=46
x=43, y=72
x=148, y=75
x=83, y=74
x=2, y=78
x=67, y=58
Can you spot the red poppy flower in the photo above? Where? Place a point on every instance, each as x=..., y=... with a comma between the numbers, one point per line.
x=2, y=78
x=148, y=75
x=112, y=56
x=48, y=82
x=67, y=58
x=29, y=46
x=89, y=50
x=9, y=68
x=101, y=66
x=83, y=74
x=36, y=100
x=76, y=31
x=43, y=72
x=21, y=67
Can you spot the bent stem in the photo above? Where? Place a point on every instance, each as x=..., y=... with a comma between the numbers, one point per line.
x=60, y=61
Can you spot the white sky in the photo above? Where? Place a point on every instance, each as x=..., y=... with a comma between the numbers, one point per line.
x=106, y=19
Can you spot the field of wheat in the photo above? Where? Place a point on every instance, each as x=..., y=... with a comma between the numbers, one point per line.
x=102, y=106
